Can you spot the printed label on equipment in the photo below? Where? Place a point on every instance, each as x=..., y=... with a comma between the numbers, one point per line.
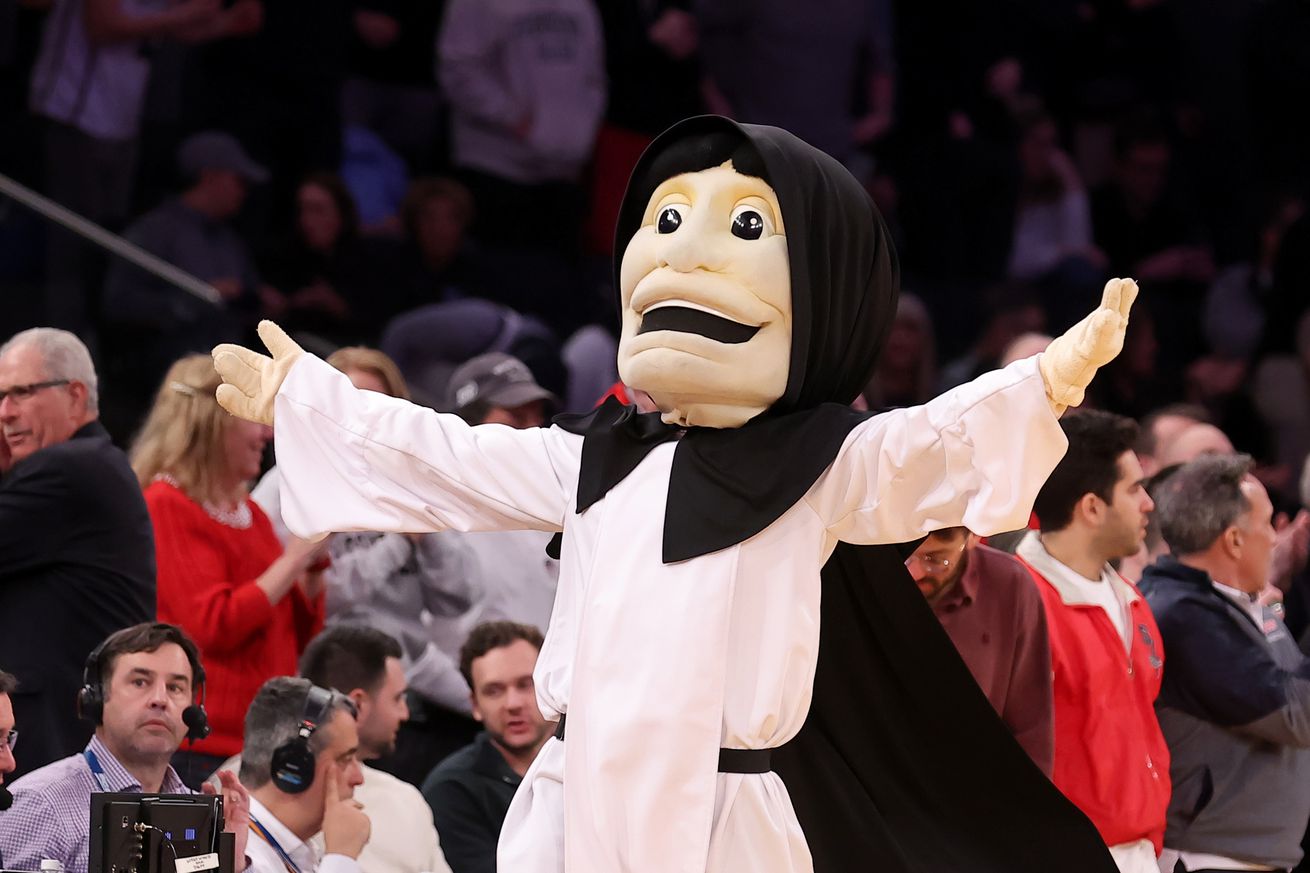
x=197, y=864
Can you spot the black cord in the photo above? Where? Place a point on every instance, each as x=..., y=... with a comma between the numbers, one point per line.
x=163, y=837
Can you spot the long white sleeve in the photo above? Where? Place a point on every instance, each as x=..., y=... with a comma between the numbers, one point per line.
x=359, y=460
x=975, y=456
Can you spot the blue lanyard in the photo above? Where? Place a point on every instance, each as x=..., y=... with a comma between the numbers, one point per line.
x=96, y=770
x=263, y=834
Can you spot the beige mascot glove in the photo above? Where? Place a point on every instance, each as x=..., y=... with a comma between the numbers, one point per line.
x=252, y=380
x=1072, y=359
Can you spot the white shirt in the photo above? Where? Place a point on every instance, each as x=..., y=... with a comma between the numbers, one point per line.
x=1250, y=605
x=660, y=665
x=1110, y=592
x=403, y=839
x=265, y=859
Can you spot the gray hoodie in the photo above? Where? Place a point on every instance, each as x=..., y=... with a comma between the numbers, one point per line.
x=505, y=62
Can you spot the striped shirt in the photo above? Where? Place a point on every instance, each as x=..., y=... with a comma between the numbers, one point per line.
x=51, y=815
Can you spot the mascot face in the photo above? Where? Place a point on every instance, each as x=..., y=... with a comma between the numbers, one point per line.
x=705, y=289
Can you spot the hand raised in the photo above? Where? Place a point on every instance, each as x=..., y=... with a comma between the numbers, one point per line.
x=251, y=380
x=1072, y=359
x=346, y=828
x=236, y=808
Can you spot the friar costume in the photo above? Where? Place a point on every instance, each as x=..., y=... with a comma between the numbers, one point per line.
x=683, y=644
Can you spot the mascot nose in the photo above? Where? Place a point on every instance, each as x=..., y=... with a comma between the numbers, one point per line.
x=686, y=250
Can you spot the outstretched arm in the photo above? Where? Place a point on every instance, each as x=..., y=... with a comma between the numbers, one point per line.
x=1072, y=359
x=978, y=454
x=358, y=460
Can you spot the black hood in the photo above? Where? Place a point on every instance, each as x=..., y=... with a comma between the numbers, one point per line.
x=729, y=484
x=845, y=279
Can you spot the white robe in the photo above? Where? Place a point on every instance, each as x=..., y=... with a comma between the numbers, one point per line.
x=660, y=665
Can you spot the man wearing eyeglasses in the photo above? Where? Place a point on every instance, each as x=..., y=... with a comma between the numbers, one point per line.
x=77, y=556
x=988, y=605
x=8, y=739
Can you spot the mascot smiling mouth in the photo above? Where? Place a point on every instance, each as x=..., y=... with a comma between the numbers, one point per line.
x=688, y=320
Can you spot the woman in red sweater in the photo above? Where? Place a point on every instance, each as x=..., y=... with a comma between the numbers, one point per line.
x=223, y=575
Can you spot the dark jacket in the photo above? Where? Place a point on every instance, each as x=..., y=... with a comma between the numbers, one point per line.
x=1235, y=709
x=469, y=793
x=77, y=562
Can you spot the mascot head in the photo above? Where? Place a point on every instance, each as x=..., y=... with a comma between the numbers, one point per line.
x=755, y=275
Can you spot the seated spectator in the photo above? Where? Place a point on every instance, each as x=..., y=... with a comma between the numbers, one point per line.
x=141, y=688
x=422, y=589
x=906, y=373
x=1236, y=304
x=76, y=543
x=1147, y=232
x=496, y=388
x=518, y=578
x=470, y=791
x=1106, y=659
x=1025, y=345
x=365, y=665
x=193, y=231
x=1281, y=392
x=436, y=261
x=251, y=605
x=1013, y=311
x=376, y=178
x=1199, y=438
x=290, y=804
x=1052, y=245
x=988, y=605
x=1160, y=426
x=8, y=739
x=1235, y=702
x=328, y=274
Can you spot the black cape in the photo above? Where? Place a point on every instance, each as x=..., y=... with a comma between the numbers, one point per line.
x=902, y=764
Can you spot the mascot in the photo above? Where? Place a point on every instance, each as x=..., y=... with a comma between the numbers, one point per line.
x=757, y=282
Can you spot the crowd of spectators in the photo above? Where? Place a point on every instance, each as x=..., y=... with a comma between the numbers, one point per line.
x=425, y=194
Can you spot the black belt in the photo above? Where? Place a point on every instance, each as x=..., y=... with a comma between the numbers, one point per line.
x=730, y=760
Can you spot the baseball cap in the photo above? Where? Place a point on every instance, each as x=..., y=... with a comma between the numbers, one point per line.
x=215, y=150
x=495, y=379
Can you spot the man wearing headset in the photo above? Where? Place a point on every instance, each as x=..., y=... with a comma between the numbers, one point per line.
x=141, y=687
x=300, y=760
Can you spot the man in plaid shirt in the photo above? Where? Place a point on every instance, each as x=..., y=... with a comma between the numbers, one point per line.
x=139, y=684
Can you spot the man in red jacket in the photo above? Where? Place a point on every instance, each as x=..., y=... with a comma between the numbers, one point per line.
x=1110, y=757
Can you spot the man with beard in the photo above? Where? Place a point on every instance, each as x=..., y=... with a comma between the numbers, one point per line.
x=365, y=665
x=987, y=604
x=470, y=791
x=1110, y=757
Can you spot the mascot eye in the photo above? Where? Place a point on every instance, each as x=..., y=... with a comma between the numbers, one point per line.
x=747, y=223
x=670, y=219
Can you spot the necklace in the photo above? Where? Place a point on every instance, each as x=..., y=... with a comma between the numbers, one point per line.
x=239, y=518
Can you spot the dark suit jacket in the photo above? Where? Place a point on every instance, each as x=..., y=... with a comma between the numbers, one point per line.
x=77, y=562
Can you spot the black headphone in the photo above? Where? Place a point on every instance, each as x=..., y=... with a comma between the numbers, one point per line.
x=293, y=763
x=91, y=699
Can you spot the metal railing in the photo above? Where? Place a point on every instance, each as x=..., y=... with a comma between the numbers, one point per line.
x=111, y=242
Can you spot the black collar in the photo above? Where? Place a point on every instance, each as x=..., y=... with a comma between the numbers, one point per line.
x=727, y=484
x=489, y=762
